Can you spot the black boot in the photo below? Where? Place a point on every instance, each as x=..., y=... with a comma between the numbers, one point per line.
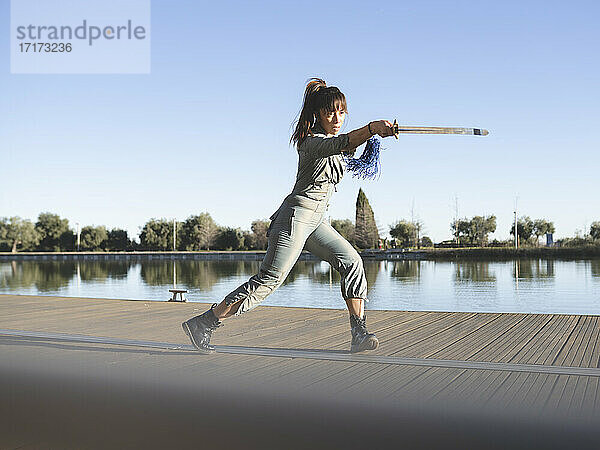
x=199, y=329
x=361, y=339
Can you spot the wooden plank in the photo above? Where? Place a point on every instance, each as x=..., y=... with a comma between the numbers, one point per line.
x=447, y=336
x=410, y=326
x=436, y=380
x=425, y=386
x=515, y=338
x=336, y=337
x=547, y=384
x=341, y=339
x=518, y=394
x=473, y=379
x=400, y=339
x=565, y=387
x=510, y=344
x=547, y=342
x=500, y=349
x=511, y=383
x=577, y=394
x=480, y=338
x=497, y=349
x=473, y=383
x=589, y=400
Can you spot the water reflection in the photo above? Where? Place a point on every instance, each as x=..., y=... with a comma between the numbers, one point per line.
x=477, y=271
x=201, y=275
x=406, y=270
x=595, y=267
x=47, y=276
x=102, y=270
x=44, y=276
x=204, y=275
x=534, y=285
x=372, y=270
x=534, y=269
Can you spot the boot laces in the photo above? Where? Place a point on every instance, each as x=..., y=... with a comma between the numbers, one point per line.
x=360, y=324
x=213, y=326
x=216, y=323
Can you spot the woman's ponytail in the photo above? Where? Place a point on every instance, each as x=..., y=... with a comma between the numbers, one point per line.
x=317, y=96
x=307, y=118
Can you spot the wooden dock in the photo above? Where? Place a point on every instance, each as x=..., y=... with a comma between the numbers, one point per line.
x=541, y=368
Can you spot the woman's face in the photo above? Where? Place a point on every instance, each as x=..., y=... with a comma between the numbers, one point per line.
x=332, y=121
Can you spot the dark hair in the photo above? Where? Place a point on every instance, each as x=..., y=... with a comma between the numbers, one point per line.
x=317, y=96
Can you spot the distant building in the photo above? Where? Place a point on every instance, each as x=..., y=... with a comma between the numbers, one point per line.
x=549, y=240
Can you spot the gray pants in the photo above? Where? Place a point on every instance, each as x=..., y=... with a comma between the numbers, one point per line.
x=293, y=229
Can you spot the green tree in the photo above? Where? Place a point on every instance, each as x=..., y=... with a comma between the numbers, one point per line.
x=419, y=227
x=426, y=241
x=540, y=228
x=157, y=234
x=480, y=227
x=54, y=233
x=404, y=232
x=366, y=234
x=18, y=234
x=595, y=230
x=524, y=229
x=461, y=229
x=249, y=241
x=345, y=227
x=230, y=239
x=94, y=239
x=475, y=230
x=199, y=232
x=118, y=240
x=258, y=238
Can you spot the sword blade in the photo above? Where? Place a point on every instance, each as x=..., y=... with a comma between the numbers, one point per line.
x=442, y=130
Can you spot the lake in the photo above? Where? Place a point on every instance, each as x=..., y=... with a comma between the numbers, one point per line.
x=524, y=286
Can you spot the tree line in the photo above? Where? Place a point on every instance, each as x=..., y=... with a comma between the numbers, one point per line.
x=200, y=232
x=51, y=233
x=472, y=231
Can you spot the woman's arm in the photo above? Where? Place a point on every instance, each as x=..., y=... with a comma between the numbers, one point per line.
x=359, y=136
x=322, y=147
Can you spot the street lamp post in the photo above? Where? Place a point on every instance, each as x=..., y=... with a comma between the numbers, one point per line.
x=516, y=235
x=516, y=229
x=78, y=236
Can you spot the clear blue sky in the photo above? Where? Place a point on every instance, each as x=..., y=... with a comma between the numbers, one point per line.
x=208, y=129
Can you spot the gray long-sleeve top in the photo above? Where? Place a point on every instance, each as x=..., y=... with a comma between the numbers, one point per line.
x=320, y=168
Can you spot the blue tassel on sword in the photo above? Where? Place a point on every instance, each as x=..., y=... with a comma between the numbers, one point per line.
x=367, y=166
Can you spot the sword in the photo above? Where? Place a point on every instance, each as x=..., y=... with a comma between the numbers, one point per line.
x=437, y=130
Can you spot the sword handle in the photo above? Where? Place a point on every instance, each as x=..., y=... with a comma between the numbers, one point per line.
x=395, y=128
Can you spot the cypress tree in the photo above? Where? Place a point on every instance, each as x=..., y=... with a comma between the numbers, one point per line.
x=366, y=234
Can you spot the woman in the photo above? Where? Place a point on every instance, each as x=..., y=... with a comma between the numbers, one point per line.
x=299, y=222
